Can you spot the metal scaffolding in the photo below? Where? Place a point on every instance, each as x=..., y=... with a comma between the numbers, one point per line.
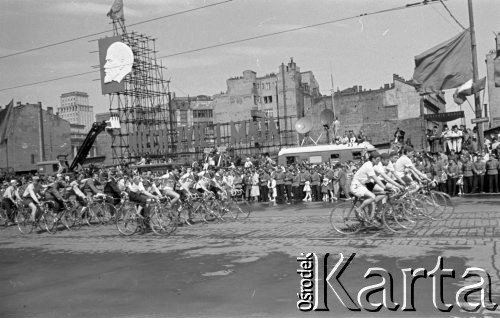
x=143, y=106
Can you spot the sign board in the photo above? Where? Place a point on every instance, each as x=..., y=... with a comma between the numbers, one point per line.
x=480, y=120
x=222, y=149
x=207, y=150
x=315, y=159
x=445, y=117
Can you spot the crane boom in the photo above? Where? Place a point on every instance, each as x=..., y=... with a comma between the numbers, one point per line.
x=87, y=144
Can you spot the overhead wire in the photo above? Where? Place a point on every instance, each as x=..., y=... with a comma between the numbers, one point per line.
x=407, y=6
x=110, y=30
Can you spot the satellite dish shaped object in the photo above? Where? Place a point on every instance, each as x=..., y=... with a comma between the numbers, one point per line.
x=327, y=117
x=303, y=125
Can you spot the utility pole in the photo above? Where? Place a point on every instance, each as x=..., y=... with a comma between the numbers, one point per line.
x=278, y=110
x=477, y=102
x=170, y=115
x=284, y=99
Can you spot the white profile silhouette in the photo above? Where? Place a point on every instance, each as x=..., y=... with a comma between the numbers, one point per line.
x=119, y=61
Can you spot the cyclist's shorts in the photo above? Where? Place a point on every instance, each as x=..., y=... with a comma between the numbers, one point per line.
x=360, y=190
x=137, y=198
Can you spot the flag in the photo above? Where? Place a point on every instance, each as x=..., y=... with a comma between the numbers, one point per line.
x=447, y=65
x=468, y=89
x=116, y=11
x=496, y=71
x=5, y=117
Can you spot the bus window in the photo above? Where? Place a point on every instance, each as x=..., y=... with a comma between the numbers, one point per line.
x=290, y=160
x=356, y=155
x=335, y=156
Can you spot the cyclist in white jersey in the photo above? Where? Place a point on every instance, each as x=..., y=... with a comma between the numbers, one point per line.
x=169, y=181
x=383, y=171
x=404, y=166
x=363, y=182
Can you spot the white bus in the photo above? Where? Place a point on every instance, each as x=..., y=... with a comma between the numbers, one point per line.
x=324, y=153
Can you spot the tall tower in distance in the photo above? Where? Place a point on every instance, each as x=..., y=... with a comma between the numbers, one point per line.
x=75, y=108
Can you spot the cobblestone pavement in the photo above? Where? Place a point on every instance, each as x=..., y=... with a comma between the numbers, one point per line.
x=470, y=235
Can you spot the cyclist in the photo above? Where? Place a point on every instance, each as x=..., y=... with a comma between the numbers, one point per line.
x=187, y=181
x=112, y=191
x=404, y=165
x=31, y=196
x=382, y=170
x=10, y=199
x=53, y=195
x=169, y=181
x=74, y=189
x=138, y=194
x=364, y=181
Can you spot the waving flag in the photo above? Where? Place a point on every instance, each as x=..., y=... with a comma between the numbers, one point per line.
x=5, y=117
x=447, y=65
x=468, y=89
x=116, y=11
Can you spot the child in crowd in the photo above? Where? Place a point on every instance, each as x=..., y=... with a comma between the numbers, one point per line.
x=307, y=190
x=324, y=189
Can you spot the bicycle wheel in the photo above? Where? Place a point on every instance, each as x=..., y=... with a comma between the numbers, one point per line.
x=49, y=219
x=228, y=211
x=4, y=220
x=163, y=222
x=243, y=210
x=71, y=219
x=23, y=220
x=344, y=219
x=400, y=217
x=127, y=221
x=104, y=212
x=444, y=207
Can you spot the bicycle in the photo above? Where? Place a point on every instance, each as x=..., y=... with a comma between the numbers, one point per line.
x=163, y=221
x=398, y=214
x=44, y=219
x=99, y=210
x=237, y=209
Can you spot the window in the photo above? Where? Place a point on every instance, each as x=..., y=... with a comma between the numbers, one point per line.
x=356, y=155
x=268, y=85
x=290, y=160
x=334, y=156
x=32, y=159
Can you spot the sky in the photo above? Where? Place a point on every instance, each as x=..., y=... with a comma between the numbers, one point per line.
x=363, y=51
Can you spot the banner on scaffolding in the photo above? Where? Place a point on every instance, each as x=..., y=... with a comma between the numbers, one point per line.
x=115, y=63
x=263, y=132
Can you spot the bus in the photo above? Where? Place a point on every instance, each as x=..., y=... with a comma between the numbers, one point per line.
x=324, y=153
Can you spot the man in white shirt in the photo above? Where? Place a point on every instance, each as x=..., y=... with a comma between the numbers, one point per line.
x=31, y=195
x=169, y=181
x=363, y=182
x=138, y=194
x=404, y=165
x=10, y=198
x=384, y=171
x=248, y=163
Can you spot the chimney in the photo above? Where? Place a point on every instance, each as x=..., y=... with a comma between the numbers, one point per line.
x=50, y=110
x=386, y=86
x=18, y=103
x=360, y=88
x=355, y=88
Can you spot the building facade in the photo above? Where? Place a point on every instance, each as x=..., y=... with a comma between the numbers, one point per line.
x=380, y=112
x=34, y=135
x=287, y=93
x=75, y=108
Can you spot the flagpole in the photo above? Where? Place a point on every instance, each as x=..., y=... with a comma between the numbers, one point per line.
x=475, y=76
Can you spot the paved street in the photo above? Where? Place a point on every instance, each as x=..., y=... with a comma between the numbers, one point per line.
x=243, y=269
